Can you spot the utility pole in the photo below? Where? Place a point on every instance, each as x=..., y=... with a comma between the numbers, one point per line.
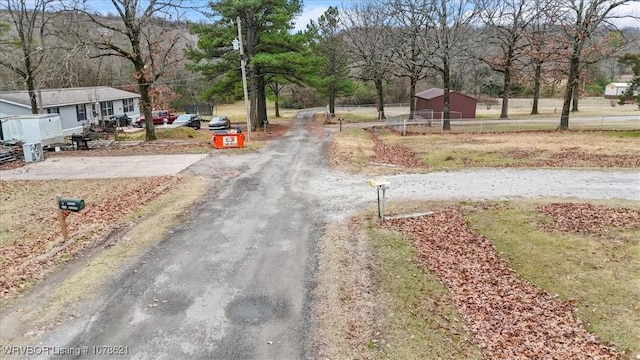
x=243, y=65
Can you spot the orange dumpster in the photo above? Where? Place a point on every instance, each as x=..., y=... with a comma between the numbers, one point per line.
x=221, y=139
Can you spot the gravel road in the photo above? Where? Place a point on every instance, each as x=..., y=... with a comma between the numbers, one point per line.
x=233, y=282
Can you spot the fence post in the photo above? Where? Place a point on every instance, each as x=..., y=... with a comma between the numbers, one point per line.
x=404, y=127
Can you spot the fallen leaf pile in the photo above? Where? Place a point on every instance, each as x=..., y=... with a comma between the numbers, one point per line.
x=584, y=159
x=156, y=147
x=394, y=154
x=588, y=218
x=33, y=252
x=509, y=318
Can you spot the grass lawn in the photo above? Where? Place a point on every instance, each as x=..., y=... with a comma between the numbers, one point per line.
x=599, y=273
x=352, y=150
x=376, y=301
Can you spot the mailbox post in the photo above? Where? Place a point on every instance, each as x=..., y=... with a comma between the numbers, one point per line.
x=380, y=185
x=65, y=207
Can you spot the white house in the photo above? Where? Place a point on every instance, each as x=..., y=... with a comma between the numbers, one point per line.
x=614, y=90
x=78, y=107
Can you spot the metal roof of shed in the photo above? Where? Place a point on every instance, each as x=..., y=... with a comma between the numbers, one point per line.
x=68, y=96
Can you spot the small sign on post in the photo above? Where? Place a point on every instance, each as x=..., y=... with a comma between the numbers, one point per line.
x=380, y=185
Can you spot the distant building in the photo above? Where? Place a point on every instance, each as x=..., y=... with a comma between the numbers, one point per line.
x=78, y=107
x=614, y=90
x=432, y=101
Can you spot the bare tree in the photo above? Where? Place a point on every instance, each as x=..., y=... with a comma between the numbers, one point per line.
x=144, y=33
x=368, y=31
x=410, y=17
x=582, y=19
x=23, y=48
x=446, y=41
x=507, y=22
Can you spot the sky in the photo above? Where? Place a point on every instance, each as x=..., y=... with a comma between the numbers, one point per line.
x=312, y=9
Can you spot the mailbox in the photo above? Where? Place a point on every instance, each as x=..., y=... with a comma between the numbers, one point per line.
x=380, y=184
x=70, y=204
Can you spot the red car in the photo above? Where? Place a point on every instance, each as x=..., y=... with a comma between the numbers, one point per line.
x=159, y=117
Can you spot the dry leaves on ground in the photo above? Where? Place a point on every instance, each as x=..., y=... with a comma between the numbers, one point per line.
x=509, y=318
x=588, y=218
x=28, y=258
x=156, y=147
x=394, y=154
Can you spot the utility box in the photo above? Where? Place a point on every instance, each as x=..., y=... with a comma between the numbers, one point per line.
x=70, y=204
x=32, y=152
x=45, y=129
x=221, y=139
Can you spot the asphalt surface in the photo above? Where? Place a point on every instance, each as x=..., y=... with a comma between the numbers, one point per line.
x=233, y=282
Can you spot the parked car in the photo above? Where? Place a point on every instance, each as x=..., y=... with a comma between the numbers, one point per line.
x=159, y=117
x=220, y=123
x=190, y=120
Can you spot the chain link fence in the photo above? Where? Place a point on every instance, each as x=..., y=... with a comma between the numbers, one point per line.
x=433, y=124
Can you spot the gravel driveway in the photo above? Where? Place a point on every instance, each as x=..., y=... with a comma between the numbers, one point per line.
x=234, y=282
x=102, y=167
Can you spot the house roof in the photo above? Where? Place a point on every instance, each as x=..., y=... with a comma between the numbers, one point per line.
x=68, y=96
x=618, y=84
x=436, y=92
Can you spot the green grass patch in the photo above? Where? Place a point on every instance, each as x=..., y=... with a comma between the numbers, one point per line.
x=599, y=273
x=419, y=316
x=623, y=134
x=458, y=159
x=354, y=117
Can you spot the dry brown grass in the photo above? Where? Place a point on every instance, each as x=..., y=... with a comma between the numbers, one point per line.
x=353, y=150
x=155, y=220
x=30, y=239
x=591, y=142
x=237, y=112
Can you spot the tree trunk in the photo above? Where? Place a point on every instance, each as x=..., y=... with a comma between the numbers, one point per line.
x=253, y=96
x=276, y=91
x=536, y=87
x=379, y=89
x=31, y=87
x=575, y=95
x=504, y=113
x=446, y=79
x=332, y=102
x=568, y=93
x=262, y=99
x=412, y=97
x=145, y=108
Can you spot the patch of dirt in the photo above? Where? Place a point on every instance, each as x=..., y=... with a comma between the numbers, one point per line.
x=588, y=218
x=394, y=154
x=12, y=165
x=274, y=131
x=509, y=318
x=155, y=147
x=347, y=310
x=28, y=252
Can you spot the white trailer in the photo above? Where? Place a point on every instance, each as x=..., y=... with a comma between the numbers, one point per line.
x=614, y=90
x=45, y=129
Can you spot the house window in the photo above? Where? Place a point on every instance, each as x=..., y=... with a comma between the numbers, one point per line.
x=106, y=108
x=81, y=111
x=53, y=110
x=127, y=105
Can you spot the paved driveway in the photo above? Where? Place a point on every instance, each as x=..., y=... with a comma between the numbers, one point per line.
x=102, y=167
